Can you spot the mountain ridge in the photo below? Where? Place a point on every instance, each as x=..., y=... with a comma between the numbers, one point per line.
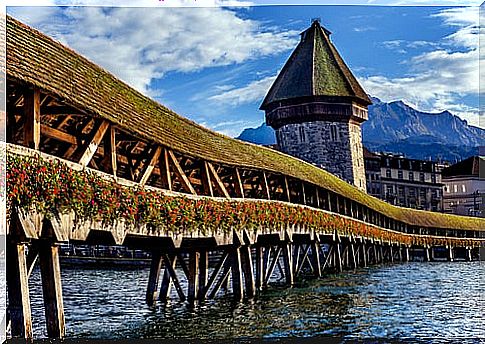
x=396, y=127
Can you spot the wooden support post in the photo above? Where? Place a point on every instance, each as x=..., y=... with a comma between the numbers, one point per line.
x=114, y=158
x=203, y=273
x=352, y=255
x=374, y=249
x=406, y=254
x=427, y=254
x=237, y=284
x=164, y=167
x=381, y=253
x=287, y=190
x=32, y=118
x=18, y=291
x=364, y=253
x=338, y=257
x=193, y=277
x=266, y=192
x=247, y=266
x=451, y=255
x=317, y=196
x=272, y=266
x=303, y=194
x=168, y=273
x=288, y=263
x=51, y=286
x=206, y=180
x=153, y=277
x=238, y=185
x=316, y=258
x=391, y=254
x=259, y=266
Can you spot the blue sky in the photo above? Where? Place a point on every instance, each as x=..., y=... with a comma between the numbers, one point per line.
x=214, y=65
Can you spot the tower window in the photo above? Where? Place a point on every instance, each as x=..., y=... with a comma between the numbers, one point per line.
x=334, y=134
x=301, y=131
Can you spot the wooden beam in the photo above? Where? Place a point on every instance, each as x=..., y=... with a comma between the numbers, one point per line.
x=287, y=190
x=94, y=143
x=57, y=134
x=51, y=286
x=164, y=167
x=154, y=277
x=150, y=166
x=60, y=110
x=114, y=158
x=32, y=118
x=179, y=172
x=18, y=291
x=206, y=180
x=265, y=186
x=218, y=182
x=303, y=194
x=238, y=185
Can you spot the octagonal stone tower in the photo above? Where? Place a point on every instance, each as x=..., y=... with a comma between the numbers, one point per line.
x=316, y=107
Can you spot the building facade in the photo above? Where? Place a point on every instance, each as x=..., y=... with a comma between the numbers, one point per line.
x=405, y=182
x=316, y=107
x=464, y=190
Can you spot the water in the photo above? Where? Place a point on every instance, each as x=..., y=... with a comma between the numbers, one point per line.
x=412, y=300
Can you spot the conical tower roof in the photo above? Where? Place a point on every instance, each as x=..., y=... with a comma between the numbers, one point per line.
x=315, y=69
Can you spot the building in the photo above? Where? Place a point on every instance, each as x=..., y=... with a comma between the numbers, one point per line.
x=404, y=182
x=464, y=190
x=316, y=107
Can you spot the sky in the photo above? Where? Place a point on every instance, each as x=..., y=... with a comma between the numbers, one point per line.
x=214, y=65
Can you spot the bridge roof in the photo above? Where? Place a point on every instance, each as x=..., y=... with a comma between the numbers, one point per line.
x=35, y=58
x=315, y=68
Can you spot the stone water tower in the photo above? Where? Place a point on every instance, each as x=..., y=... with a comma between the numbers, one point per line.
x=316, y=107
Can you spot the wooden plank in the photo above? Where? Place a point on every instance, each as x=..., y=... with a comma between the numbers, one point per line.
x=150, y=166
x=266, y=186
x=223, y=278
x=238, y=187
x=51, y=287
x=179, y=172
x=218, y=182
x=272, y=265
x=18, y=291
x=57, y=134
x=32, y=118
x=153, y=277
x=94, y=143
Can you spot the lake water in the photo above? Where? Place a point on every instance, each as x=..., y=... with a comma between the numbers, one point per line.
x=436, y=300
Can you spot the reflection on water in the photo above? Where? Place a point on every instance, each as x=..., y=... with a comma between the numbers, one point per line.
x=412, y=300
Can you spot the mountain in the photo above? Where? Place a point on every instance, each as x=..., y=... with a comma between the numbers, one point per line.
x=398, y=128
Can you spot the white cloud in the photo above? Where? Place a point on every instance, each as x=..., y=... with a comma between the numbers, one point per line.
x=437, y=80
x=130, y=3
x=254, y=91
x=138, y=45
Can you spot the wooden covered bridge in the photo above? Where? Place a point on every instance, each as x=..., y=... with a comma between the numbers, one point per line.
x=90, y=160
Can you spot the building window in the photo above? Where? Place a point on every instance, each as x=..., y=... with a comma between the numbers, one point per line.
x=399, y=174
x=401, y=191
x=411, y=176
x=334, y=134
x=455, y=188
x=421, y=177
x=433, y=178
x=447, y=189
x=412, y=192
x=399, y=164
x=388, y=173
x=302, y=134
x=463, y=188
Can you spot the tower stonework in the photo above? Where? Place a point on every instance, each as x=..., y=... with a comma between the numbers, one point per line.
x=316, y=107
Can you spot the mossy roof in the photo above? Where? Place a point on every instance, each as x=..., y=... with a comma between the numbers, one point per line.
x=315, y=68
x=34, y=58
